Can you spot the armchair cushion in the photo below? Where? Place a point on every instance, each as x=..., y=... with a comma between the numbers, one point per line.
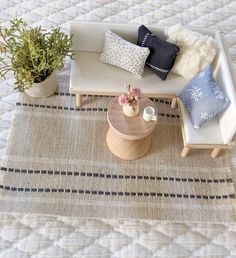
x=203, y=97
x=204, y=135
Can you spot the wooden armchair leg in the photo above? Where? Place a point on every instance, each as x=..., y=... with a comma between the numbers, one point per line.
x=215, y=153
x=174, y=103
x=78, y=100
x=185, y=152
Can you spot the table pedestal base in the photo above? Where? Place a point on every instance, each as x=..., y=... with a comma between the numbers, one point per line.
x=127, y=149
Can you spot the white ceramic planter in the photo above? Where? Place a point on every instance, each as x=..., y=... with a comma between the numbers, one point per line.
x=45, y=88
x=130, y=111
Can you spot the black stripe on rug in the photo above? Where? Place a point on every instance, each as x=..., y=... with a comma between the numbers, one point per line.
x=68, y=94
x=81, y=109
x=59, y=107
x=112, y=193
x=112, y=176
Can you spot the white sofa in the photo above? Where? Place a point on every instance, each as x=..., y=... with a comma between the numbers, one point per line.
x=90, y=76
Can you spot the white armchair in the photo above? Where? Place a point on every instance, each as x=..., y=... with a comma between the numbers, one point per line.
x=218, y=132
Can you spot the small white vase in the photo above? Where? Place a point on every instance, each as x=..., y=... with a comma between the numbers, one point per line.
x=131, y=111
x=45, y=88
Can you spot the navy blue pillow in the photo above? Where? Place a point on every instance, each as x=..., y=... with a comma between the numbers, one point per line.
x=162, y=53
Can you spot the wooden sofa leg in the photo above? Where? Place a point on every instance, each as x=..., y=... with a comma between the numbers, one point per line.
x=185, y=152
x=215, y=153
x=174, y=103
x=78, y=100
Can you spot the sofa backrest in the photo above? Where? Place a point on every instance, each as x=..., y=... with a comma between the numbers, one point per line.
x=89, y=36
x=224, y=76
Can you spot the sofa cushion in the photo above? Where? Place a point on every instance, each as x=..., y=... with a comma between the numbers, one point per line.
x=203, y=97
x=196, y=50
x=89, y=76
x=162, y=53
x=124, y=54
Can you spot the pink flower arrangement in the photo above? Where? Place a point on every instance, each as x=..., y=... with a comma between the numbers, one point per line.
x=130, y=97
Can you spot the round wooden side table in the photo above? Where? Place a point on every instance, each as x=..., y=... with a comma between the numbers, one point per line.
x=129, y=137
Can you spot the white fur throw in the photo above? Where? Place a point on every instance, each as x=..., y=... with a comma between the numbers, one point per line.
x=196, y=50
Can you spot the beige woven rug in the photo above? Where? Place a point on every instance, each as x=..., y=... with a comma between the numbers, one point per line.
x=57, y=162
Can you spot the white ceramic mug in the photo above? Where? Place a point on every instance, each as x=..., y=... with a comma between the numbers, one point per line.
x=149, y=114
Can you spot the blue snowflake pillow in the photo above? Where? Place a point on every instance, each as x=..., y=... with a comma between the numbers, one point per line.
x=203, y=97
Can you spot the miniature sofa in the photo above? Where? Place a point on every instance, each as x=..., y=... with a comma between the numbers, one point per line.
x=91, y=76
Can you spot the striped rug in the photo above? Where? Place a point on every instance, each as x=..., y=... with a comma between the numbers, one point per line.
x=57, y=162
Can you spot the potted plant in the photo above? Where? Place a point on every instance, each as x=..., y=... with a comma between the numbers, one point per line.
x=130, y=101
x=33, y=55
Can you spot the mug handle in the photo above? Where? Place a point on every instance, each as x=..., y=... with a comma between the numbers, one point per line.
x=154, y=118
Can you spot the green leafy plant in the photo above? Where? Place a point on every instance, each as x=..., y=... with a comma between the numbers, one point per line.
x=32, y=53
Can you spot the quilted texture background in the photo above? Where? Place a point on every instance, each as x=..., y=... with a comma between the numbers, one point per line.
x=45, y=236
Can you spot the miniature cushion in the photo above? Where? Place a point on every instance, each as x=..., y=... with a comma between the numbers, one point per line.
x=203, y=97
x=124, y=54
x=196, y=50
x=162, y=53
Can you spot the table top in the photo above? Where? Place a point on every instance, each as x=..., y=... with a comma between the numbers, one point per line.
x=131, y=128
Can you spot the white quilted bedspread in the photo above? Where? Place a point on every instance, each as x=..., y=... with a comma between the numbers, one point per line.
x=51, y=236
